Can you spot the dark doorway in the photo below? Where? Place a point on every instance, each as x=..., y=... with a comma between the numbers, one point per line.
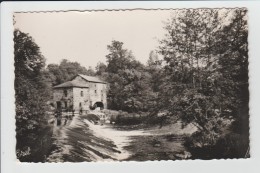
x=80, y=108
x=99, y=104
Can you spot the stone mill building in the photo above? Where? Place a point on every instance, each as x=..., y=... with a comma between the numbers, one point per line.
x=82, y=93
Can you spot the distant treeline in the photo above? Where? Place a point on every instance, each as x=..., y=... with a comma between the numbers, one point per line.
x=198, y=74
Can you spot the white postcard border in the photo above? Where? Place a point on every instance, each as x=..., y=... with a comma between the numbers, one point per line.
x=10, y=165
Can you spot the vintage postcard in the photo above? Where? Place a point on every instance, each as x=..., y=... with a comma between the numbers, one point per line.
x=135, y=85
x=94, y=85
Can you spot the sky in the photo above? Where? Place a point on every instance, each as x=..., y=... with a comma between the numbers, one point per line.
x=83, y=36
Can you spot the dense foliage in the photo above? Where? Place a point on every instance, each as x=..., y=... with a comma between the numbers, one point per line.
x=31, y=96
x=65, y=71
x=206, y=80
x=129, y=80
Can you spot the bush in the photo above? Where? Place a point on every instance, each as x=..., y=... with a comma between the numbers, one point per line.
x=231, y=145
x=26, y=148
x=124, y=118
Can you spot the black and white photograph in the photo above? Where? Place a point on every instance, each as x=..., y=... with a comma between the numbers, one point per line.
x=131, y=85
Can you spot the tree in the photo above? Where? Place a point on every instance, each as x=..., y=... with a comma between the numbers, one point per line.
x=118, y=58
x=31, y=95
x=101, y=68
x=129, y=81
x=65, y=71
x=205, y=64
x=153, y=60
x=154, y=68
x=233, y=61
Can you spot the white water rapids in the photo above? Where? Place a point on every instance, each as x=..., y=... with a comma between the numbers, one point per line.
x=120, y=138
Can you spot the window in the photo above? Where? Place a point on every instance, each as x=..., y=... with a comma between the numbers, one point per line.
x=58, y=105
x=65, y=103
x=81, y=93
x=65, y=93
x=96, y=91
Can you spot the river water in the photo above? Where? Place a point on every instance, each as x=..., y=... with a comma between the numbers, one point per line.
x=79, y=140
x=120, y=138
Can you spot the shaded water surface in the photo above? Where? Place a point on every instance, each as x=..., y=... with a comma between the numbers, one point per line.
x=79, y=140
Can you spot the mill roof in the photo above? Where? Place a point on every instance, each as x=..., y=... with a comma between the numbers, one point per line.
x=91, y=78
x=71, y=84
x=75, y=83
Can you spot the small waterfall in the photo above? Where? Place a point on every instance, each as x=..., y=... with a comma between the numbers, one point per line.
x=80, y=140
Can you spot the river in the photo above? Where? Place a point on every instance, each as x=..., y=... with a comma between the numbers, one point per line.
x=80, y=140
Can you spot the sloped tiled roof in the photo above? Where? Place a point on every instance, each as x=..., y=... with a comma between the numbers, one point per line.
x=91, y=78
x=71, y=84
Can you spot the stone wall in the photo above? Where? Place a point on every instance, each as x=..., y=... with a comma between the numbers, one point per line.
x=59, y=96
x=98, y=93
x=81, y=101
